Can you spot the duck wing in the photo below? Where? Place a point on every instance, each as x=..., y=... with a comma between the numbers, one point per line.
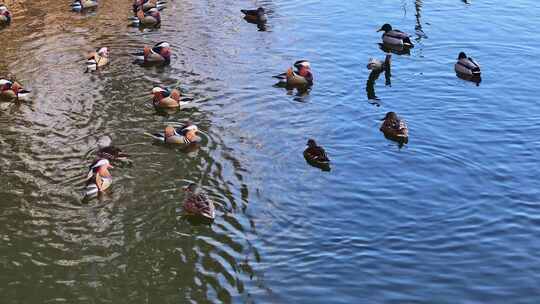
x=249, y=12
x=397, y=34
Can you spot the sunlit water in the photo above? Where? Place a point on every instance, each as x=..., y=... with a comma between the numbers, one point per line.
x=451, y=217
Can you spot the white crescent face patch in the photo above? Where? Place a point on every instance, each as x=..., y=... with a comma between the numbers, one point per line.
x=4, y=81
x=158, y=90
x=100, y=163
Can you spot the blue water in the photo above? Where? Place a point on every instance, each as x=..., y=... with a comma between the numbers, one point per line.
x=450, y=217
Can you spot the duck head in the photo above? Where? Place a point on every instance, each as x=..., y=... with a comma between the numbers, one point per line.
x=190, y=132
x=191, y=188
x=385, y=28
x=390, y=116
x=462, y=55
x=165, y=50
x=311, y=143
x=159, y=93
x=102, y=167
x=169, y=131
x=104, y=52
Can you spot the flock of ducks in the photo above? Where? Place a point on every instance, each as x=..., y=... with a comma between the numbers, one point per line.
x=299, y=76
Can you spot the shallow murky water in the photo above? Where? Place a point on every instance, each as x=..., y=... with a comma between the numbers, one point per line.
x=453, y=216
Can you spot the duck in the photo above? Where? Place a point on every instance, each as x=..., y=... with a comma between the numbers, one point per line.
x=12, y=90
x=184, y=135
x=160, y=53
x=146, y=5
x=151, y=17
x=395, y=37
x=5, y=15
x=197, y=203
x=99, y=178
x=107, y=151
x=79, y=5
x=302, y=77
x=97, y=59
x=255, y=15
x=315, y=155
x=466, y=65
x=394, y=127
x=163, y=98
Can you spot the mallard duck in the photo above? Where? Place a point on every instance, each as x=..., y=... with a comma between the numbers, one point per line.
x=146, y=5
x=315, y=155
x=395, y=37
x=302, y=77
x=394, y=128
x=107, y=151
x=467, y=66
x=160, y=53
x=255, y=16
x=5, y=15
x=152, y=17
x=99, y=178
x=184, y=135
x=97, y=59
x=12, y=89
x=163, y=98
x=79, y=5
x=197, y=203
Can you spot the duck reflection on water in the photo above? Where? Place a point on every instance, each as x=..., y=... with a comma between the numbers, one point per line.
x=377, y=67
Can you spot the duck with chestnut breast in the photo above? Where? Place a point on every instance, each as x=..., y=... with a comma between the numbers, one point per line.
x=152, y=17
x=146, y=5
x=395, y=37
x=107, y=151
x=180, y=136
x=394, y=127
x=160, y=53
x=301, y=77
x=467, y=66
x=12, y=90
x=165, y=98
x=5, y=15
x=315, y=155
x=99, y=178
x=79, y=5
x=257, y=16
x=197, y=203
x=97, y=59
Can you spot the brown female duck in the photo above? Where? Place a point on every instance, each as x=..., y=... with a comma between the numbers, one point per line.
x=197, y=203
x=394, y=127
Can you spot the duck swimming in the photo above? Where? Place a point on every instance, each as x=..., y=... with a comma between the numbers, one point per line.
x=316, y=156
x=12, y=90
x=152, y=17
x=394, y=128
x=107, y=151
x=99, y=178
x=160, y=53
x=97, y=59
x=255, y=16
x=467, y=66
x=5, y=15
x=302, y=77
x=395, y=37
x=164, y=99
x=146, y=5
x=184, y=135
x=79, y=5
x=197, y=203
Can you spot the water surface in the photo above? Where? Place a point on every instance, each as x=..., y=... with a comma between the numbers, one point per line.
x=451, y=217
